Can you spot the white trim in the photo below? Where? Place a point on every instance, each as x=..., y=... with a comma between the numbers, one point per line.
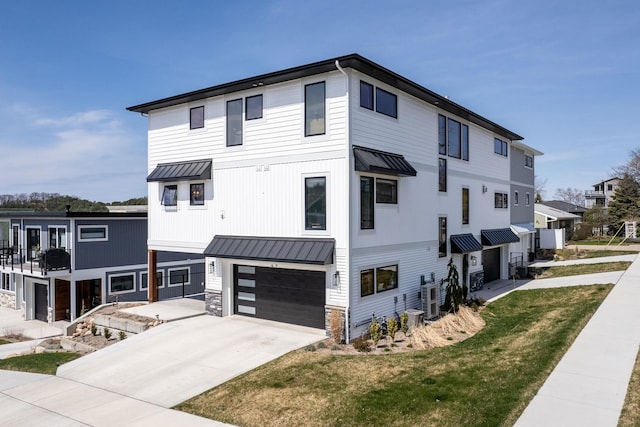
x=100, y=239
x=188, y=282
x=58, y=227
x=146, y=272
x=110, y=292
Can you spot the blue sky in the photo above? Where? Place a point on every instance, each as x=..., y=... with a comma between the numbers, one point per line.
x=563, y=74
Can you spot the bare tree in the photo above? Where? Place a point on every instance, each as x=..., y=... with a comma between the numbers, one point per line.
x=631, y=168
x=570, y=195
x=539, y=188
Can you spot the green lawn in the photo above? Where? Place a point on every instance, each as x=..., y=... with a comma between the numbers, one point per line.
x=577, y=269
x=44, y=363
x=486, y=380
x=4, y=341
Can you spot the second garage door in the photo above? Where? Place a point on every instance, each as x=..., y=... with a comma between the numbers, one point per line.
x=283, y=295
x=491, y=264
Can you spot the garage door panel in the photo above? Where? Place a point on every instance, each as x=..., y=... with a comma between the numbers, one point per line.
x=491, y=264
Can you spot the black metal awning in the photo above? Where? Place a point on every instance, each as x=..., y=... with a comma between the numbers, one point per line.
x=280, y=249
x=181, y=171
x=498, y=236
x=369, y=160
x=464, y=243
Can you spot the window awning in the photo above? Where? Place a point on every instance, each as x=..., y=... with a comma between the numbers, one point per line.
x=280, y=249
x=369, y=160
x=524, y=228
x=181, y=171
x=498, y=236
x=464, y=243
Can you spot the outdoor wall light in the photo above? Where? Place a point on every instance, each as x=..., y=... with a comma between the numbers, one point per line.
x=484, y=188
x=212, y=267
x=336, y=279
x=474, y=260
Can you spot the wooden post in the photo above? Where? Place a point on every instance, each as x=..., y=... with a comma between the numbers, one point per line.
x=152, y=277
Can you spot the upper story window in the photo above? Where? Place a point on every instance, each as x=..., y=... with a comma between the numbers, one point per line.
x=516, y=198
x=170, y=195
x=234, y=122
x=93, y=233
x=527, y=199
x=465, y=206
x=453, y=138
x=58, y=237
x=253, y=107
x=500, y=147
x=366, y=203
x=314, y=109
x=197, y=194
x=528, y=161
x=196, y=117
x=387, y=191
x=379, y=99
x=442, y=175
x=501, y=201
x=315, y=203
x=442, y=237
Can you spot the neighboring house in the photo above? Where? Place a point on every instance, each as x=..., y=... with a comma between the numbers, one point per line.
x=337, y=186
x=568, y=207
x=601, y=194
x=55, y=266
x=550, y=218
x=522, y=203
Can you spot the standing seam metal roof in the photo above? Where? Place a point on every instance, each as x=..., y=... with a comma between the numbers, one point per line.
x=181, y=171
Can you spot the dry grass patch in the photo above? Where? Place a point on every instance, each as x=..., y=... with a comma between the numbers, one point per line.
x=448, y=330
x=630, y=416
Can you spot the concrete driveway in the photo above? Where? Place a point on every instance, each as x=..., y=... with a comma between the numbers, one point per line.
x=178, y=360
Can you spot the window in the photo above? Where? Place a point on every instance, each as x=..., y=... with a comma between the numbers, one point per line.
x=378, y=280
x=253, y=107
x=366, y=95
x=500, y=147
x=453, y=138
x=170, y=195
x=387, y=191
x=57, y=237
x=465, y=206
x=234, y=122
x=516, y=198
x=179, y=276
x=120, y=284
x=93, y=233
x=314, y=109
x=197, y=194
x=144, y=280
x=442, y=237
x=366, y=203
x=609, y=187
x=315, y=203
x=501, y=200
x=527, y=199
x=442, y=175
x=528, y=161
x=386, y=103
x=196, y=117
x=5, y=282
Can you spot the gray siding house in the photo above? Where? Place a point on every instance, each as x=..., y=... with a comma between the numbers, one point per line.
x=56, y=266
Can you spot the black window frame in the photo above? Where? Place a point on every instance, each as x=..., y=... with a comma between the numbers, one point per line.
x=442, y=237
x=367, y=203
x=234, y=123
x=144, y=284
x=119, y=277
x=307, y=109
x=248, y=109
x=386, y=95
x=369, y=96
x=393, y=280
x=372, y=278
x=500, y=147
x=446, y=141
x=528, y=161
x=172, y=281
x=167, y=189
x=370, y=282
x=465, y=206
x=196, y=198
x=442, y=175
x=516, y=198
x=381, y=197
x=196, y=117
x=454, y=138
x=500, y=200
x=442, y=135
x=308, y=223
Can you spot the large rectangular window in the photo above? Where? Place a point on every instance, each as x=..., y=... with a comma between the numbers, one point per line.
x=315, y=207
x=442, y=175
x=93, y=233
x=170, y=195
x=465, y=206
x=253, y=107
x=196, y=117
x=454, y=145
x=453, y=138
x=386, y=191
x=500, y=147
x=234, y=122
x=120, y=284
x=178, y=276
x=366, y=95
x=386, y=103
x=366, y=203
x=380, y=279
x=197, y=194
x=314, y=109
x=501, y=201
x=442, y=237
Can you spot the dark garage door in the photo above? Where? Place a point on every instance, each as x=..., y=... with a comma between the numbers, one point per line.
x=491, y=264
x=41, y=292
x=283, y=295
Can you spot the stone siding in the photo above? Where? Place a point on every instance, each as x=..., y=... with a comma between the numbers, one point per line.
x=213, y=302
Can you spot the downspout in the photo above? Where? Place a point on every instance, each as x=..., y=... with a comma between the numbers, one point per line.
x=347, y=314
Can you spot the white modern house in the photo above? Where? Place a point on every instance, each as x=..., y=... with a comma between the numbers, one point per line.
x=334, y=186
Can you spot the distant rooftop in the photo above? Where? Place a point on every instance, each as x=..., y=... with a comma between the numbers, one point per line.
x=128, y=208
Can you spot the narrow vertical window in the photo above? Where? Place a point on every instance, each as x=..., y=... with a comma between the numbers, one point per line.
x=366, y=203
x=314, y=109
x=196, y=117
x=315, y=203
x=465, y=206
x=253, y=107
x=442, y=135
x=197, y=194
x=453, y=139
x=366, y=95
x=515, y=198
x=465, y=142
x=442, y=237
x=234, y=122
x=527, y=198
x=366, y=282
x=442, y=175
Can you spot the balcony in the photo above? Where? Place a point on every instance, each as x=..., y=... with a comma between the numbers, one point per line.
x=15, y=258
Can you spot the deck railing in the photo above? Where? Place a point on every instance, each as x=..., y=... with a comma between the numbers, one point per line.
x=52, y=259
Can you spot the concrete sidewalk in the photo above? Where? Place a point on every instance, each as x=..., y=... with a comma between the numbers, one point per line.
x=589, y=385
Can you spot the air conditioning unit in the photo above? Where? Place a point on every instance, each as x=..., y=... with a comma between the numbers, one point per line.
x=430, y=300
